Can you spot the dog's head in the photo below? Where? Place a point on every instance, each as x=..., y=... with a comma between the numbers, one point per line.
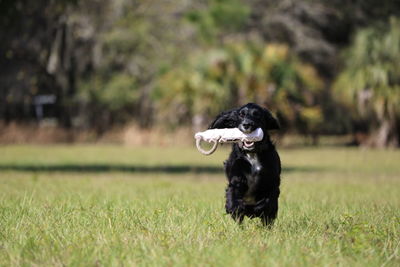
x=247, y=118
x=252, y=116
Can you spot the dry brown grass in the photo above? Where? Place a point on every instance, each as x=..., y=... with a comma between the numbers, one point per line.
x=131, y=135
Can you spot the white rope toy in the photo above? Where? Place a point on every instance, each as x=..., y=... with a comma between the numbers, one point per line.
x=227, y=135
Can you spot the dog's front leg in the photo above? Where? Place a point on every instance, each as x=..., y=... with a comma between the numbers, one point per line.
x=234, y=198
x=270, y=208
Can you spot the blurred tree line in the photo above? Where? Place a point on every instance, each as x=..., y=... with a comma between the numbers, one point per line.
x=323, y=67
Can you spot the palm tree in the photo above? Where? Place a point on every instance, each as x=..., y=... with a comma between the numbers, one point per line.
x=241, y=72
x=370, y=82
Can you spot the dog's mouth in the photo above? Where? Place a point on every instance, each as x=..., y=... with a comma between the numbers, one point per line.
x=248, y=145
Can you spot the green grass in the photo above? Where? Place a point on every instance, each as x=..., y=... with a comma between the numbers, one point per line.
x=110, y=205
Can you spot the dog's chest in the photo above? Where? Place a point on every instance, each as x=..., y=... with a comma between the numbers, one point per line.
x=253, y=177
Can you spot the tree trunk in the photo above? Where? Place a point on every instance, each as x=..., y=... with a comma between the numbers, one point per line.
x=386, y=135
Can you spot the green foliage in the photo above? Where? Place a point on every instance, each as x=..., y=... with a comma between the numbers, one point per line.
x=241, y=72
x=191, y=57
x=372, y=64
x=198, y=88
x=219, y=16
x=118, y=92
x=111, y=98
x=136, y=40
x=370, y=81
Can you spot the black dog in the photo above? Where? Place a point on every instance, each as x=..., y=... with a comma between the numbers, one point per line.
x=253, y=169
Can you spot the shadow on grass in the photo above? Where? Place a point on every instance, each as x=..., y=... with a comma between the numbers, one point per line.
x=97, y=168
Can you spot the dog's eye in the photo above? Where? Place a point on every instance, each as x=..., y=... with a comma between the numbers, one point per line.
x=242, y=113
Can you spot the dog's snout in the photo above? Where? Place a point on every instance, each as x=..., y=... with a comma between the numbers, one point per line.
x=246, y=126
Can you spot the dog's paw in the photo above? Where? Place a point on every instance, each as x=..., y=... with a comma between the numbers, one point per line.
x=235, y=207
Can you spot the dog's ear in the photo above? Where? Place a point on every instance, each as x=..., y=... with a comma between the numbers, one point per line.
x=226, y=119
x=271, y=123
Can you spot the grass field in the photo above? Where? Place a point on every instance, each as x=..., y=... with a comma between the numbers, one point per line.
x=110, y=205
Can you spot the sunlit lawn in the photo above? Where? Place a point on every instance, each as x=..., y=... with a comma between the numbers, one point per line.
x=112, y=205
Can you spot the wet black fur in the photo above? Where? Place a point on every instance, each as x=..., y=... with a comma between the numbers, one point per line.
x=239, y=169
